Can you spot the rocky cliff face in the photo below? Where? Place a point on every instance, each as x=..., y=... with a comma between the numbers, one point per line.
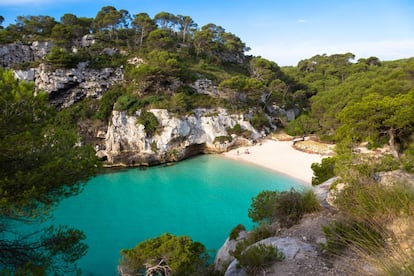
x=128, y=144
x=67, y=86
x=17, y=53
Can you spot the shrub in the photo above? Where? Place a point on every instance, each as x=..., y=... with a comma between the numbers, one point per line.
x=239, y=131
x=60, y=58
x=178, y=254
x=262, y=206
x=222, y=139
x=360, y=236
x=256, y=258
x=259, y=121
x=286, y=207
x=149, y=121
x=234, y=234
x=323, y=171
x=125, y=102
x=106, y=103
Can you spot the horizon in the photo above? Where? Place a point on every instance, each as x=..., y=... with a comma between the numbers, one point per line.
x=281, y=31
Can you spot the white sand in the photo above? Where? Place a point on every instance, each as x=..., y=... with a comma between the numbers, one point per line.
x=280, y=157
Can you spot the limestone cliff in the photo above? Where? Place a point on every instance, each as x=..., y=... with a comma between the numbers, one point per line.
x=128, y=144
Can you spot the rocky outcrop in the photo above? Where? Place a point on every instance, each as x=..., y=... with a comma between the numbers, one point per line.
x=292, y=248
x=67, y=86
x=16, y=53
x=128, y=144
x=206, y=86
x=223, y=257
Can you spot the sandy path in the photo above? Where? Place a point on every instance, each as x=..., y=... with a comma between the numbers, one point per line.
x=278, y=156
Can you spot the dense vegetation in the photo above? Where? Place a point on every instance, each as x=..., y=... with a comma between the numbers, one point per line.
x=170, y=53
x=352, y=103
x=166, y=255
x=40, y=164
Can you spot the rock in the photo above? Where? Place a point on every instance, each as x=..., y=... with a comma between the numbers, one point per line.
x=87, y=40
x=292, y=248
x=16, y=53
x=205, y=86
x=235, y=270
x=322, y=192
x=223, y=257
x=68, y=86
x=127, y=142
x=25, y=75
x=41, y=48
x=394, y=177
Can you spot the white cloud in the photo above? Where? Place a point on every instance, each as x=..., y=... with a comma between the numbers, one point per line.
x=302, y=21
x=288, y=54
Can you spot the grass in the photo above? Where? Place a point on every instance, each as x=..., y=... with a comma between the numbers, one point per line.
x=377, y=225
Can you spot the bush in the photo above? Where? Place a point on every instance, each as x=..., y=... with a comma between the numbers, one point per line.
x=239, y=131
x=179, y=254
x=149, y=121
x=126, y=102
x=256, y=258
x=234, y=234
x=262, y=206
x=286, y=207
x=323, y=171
x=106, y=103
x=222, y=139
x=259, y=121
x=60, y=58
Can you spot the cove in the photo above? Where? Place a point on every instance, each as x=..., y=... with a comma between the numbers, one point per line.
x=202, y=197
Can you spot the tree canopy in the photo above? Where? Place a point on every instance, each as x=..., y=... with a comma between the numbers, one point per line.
x=40, y=164
x=176, y=255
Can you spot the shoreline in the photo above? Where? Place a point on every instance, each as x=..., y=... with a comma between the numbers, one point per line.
x=279, y=156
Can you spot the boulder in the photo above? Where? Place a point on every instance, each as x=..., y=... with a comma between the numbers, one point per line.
x=223, y=256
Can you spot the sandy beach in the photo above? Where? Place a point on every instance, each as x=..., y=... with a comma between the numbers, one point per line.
x=279, y=156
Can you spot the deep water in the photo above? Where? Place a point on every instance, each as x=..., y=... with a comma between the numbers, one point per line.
x=203, y=197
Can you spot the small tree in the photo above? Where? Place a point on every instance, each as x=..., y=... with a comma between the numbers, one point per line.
x=286, y=207
x=165, y=255
x=257, y=257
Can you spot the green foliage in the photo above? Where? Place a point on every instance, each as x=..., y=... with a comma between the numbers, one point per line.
x=182, y=255
x=259, y=120
x=341, y=235
x=302, y=125
x=256, y=258
x=239, y=131
x=291, y=206
x=323, y=171
x=107, y=101
x=286, y=207
x=376, y=222
x=40, y=165
x=234, y=234
x=149, y=121
x=60, y=58
x=223, y=139
x=262, y=206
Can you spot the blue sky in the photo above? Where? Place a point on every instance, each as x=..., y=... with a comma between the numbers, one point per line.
x=284, y=31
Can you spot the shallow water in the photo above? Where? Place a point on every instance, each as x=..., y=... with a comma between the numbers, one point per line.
x=203, y=197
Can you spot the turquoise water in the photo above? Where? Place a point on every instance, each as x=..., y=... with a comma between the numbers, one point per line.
x=203, y=197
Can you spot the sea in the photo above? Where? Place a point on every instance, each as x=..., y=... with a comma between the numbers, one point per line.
x=203, y=197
